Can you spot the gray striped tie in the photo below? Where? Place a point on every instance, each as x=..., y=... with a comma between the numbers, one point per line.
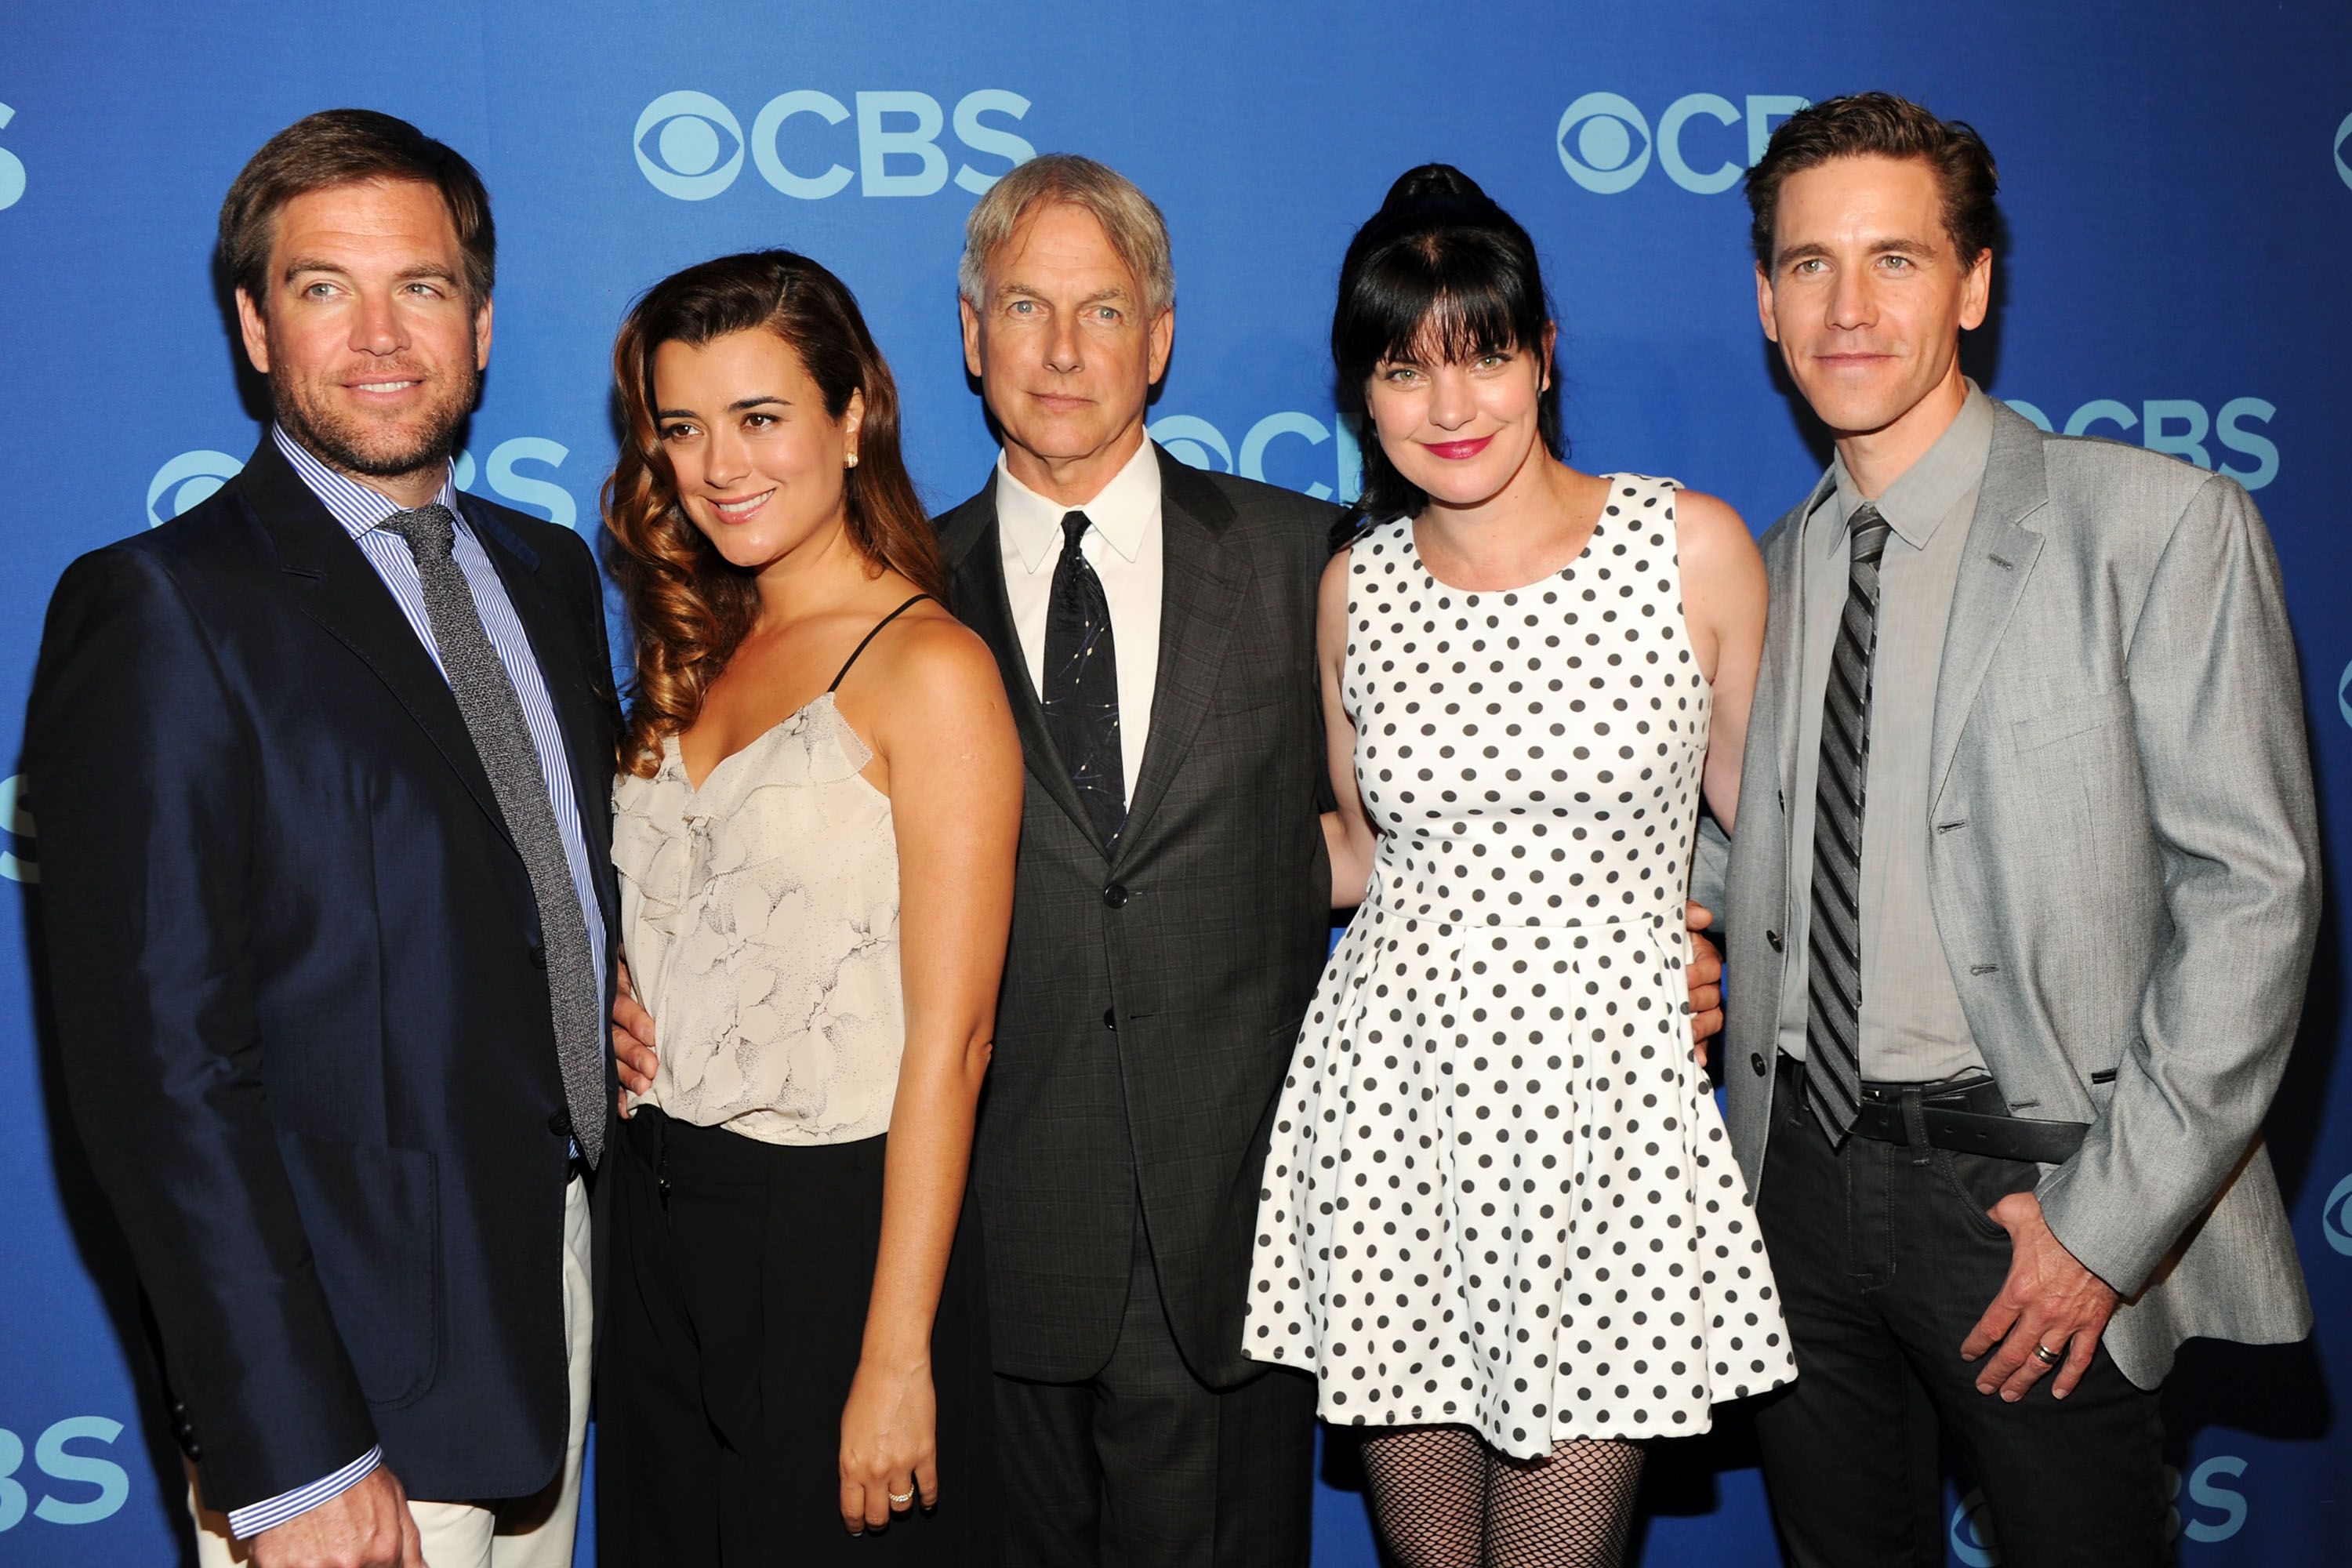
x=494, y=718
x=1833, y=948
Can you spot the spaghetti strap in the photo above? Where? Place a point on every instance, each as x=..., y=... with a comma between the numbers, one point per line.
x=872, y=635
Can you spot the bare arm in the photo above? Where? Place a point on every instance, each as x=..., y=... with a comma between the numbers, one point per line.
x=944, y=734
x=1347, y=831
x=1723, y=606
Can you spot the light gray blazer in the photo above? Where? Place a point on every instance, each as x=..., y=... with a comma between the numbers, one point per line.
x=2124, y=865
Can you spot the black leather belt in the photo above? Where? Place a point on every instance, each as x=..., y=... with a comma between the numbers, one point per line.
x=1967, y=1116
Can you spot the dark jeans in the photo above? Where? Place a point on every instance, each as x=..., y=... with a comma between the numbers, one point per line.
x=1142, y=1466
x=1886, y=1259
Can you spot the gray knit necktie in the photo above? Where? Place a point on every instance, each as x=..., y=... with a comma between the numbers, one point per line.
x=494, y=718
x=1834, y=947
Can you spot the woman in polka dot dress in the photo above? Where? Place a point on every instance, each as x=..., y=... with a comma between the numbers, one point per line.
x=1500, y=1220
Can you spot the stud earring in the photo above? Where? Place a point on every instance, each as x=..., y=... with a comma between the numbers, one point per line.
x=850, y=461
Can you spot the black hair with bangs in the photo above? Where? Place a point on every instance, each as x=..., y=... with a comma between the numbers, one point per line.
x=1440, y=270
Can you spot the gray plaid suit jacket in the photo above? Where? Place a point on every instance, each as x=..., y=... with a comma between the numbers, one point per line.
x=2124, y=865
x=1151, y=998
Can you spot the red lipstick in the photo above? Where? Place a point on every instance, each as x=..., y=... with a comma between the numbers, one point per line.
x=1455, y=451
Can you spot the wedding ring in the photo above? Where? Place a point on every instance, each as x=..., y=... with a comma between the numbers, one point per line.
x=2045, y=1356
x=900, y=1500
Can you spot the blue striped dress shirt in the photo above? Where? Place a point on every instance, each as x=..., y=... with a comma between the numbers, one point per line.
x=362, y=513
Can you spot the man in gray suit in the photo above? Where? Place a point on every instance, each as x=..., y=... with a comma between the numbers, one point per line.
x=1155, y=626
x=2020, y=903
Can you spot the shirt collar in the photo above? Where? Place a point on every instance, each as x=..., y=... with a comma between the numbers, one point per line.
x=360, y=509
x=1926, y=491
x=1122, y=511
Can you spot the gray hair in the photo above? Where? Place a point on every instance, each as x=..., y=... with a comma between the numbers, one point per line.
x=1130, y=221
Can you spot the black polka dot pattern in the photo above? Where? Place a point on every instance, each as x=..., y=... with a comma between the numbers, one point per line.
x=1499, y=1192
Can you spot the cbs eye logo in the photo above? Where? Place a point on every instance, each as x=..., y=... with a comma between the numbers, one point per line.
x=2335, y=1218
x=186, y=479
x=11, y=168
x=690, y=146
x=1597, y=139
x=2343, y=169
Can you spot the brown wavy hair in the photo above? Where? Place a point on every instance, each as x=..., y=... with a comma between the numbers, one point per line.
x=688, y=607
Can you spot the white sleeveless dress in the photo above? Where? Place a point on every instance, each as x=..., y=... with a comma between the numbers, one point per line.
x=1498, y=1193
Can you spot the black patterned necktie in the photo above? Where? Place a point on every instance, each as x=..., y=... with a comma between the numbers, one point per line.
x=1080, y=691
x=1834, y=947
x=494, y=718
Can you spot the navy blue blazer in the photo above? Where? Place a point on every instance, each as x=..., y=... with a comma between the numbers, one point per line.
x=299, y=991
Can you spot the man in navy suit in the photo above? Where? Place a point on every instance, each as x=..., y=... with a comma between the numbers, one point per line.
x=327, y=763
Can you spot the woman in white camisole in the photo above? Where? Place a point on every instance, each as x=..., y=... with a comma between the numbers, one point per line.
x=816, y=882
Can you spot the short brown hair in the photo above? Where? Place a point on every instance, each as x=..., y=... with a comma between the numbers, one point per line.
x=1881, y=126
x=1130, y=221
x=349, y=147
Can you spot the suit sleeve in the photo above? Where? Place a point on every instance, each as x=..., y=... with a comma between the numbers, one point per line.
x=141, y=766
x=2218, y=713
x=1710, y=864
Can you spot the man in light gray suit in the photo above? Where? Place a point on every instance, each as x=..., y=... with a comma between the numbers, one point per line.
x=2020, y=903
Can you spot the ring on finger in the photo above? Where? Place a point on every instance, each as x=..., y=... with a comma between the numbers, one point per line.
x=900, y=1500
x=2045, y=1356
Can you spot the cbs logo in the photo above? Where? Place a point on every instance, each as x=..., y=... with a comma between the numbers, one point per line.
x=192, y=477
x=1976, y=1545
x=11, y=168
x=1597, y=139
x=2335, y=1218
x=59, y=1462
x=2343, y=137
x=17, y=824
x=1191, y=439
x=689, y=146
x=2179, y=425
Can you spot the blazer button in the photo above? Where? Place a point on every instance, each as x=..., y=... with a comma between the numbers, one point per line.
x=559, y=1124
x=1756, y=1060
x=195, y=1450
x=537, y=956
x=1110, y=1017
x=1114, y=896
x=1774, y=938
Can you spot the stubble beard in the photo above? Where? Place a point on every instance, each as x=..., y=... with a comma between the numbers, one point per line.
x=377, y=451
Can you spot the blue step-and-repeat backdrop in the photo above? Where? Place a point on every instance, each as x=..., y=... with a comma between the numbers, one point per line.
x=2178, y=179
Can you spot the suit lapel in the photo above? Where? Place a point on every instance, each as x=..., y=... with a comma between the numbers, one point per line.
x=1777, y=680
x=1201, y=595
x=976, y=571
x=1999, y=558
x=336, y=587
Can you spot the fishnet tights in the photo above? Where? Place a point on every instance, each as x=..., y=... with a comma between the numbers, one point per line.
x=1442, y=1499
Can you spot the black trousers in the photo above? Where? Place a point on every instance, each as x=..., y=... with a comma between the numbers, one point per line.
x=1886, y=1259
x=734, y=1314
x=1143, y=1466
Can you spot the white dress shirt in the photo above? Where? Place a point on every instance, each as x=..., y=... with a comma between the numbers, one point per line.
x=1124, y=547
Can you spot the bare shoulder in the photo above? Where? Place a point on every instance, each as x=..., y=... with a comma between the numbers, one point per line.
x=1707, y=529
x=927, y=662
x=1717, y=552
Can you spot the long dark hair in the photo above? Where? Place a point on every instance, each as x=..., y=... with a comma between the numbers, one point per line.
x=688, y=607
x=1440, y=270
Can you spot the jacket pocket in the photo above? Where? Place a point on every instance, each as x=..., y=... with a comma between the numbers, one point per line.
x=372, y=1217
x=1241, y=696
x=2069, y=719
